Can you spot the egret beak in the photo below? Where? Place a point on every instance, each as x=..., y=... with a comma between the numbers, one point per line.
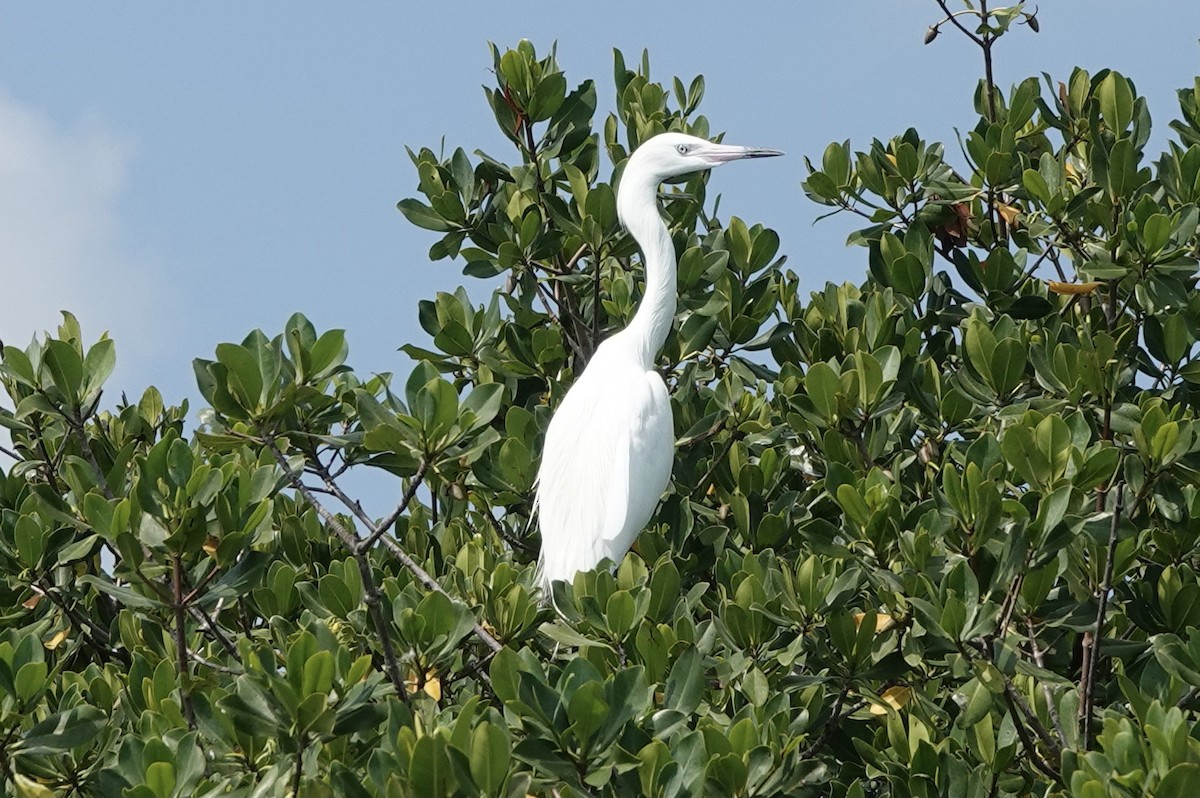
x=723, y=153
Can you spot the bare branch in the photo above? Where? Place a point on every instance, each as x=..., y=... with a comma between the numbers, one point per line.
x=383, y=526
x=371, y=592
x=1049, y=695
x=216, y=666
x=350, y=540
x=215, y=632
x=952, y=18
x=76, y=423
x=1027, y=742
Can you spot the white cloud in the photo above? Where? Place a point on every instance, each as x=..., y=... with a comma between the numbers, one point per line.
x=62, y=246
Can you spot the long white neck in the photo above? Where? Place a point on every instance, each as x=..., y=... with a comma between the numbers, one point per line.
x=637, y=206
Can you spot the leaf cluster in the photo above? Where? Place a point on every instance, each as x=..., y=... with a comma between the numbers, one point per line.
x=931, y=534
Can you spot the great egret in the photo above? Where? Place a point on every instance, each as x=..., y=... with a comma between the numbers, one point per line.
x=609, y=448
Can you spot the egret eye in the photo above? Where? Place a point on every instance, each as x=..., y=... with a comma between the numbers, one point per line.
x=683, y=149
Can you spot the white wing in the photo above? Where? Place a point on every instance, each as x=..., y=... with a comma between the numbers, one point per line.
x=605, y=463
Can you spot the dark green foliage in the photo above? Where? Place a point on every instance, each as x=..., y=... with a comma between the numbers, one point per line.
x=929, y=535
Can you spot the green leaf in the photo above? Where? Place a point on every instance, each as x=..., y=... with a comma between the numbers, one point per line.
x=684, y=687
x=1116, y=102
x=1180, y=781
x=66, y=369
x=318, y=674
x=30, y=681
x=328, y=353
x=854, y=505
x=429, y=773
x=489, y=757
x=822, y=385
x=63, y=731
x=125, y=595
x=245, y=379
x=423, y=216
x=587, y=711
x=160, y=778
x=98, y=365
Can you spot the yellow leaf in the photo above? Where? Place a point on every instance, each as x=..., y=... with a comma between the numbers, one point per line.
x=57, y=640
x=891, y=158
x=894, y=697
x=28, y=788
x=883, y=621
x=1009, y=213
x=1072, y=288
x=432, y=686
x=210, y=546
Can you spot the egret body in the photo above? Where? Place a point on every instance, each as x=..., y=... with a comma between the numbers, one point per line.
x=610, y=445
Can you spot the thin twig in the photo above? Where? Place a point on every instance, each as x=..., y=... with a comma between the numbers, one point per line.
x=299, y=765
x=500, y=531
x=431, y=584
x=1087, y=685
x=1028, y=744
x=76, y=423
x=986, y=42
x=1046, y=691
x=953, y=19
x=96, y=635
x=386, y=524
x=49, y=463
x=575, y=258
x=181, y=647
x=542, y=295
x=835, y=719
x=216, y=666
x=1015, y=697
x=350, y=540
x=1017, y=702
x=1009, y=605
x=215, y=632
x=703, y=485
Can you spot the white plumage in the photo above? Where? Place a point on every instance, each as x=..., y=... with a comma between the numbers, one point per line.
x=609, y=448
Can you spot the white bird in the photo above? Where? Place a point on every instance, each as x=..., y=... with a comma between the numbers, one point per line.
x=608, y=451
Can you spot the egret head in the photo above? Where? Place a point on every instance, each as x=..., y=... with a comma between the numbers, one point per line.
x=670, y=155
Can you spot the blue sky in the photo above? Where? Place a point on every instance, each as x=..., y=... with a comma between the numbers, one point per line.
x=180, y=175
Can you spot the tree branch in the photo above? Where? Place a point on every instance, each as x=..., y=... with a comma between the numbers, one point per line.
x=383, y=526
x=1046, y=692
x=1087, y=685
x=352, y=543
x=952, y=18
x=350, y=540
x=1027, y=742
x=215, y=631
x=76, y=423
x=181, y=647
